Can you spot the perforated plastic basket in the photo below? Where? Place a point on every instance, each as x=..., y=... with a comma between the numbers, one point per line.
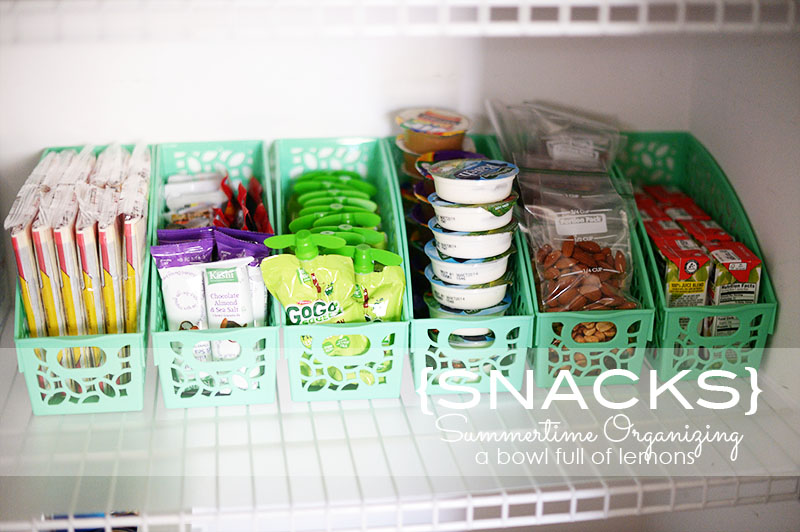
x=436, y=349
x=185, y=380
x=378, y=371
x=115, y=385
x=680, y=159
x=556, y=350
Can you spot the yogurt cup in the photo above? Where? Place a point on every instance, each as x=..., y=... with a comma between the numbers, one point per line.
x=473, y=181
x=424, y=161
x=473, y=217
x=468, y=297
x=437, y=310
x=430, y=129
x=410, y=157
x=472, y=245
x=469, y=271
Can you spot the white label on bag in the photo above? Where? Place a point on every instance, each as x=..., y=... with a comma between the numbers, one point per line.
x=573, y=150
x=568, y=224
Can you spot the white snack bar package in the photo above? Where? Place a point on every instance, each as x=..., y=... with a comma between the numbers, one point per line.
x=89, y=260
x=49, y=275
x=228, y=301
x=18, y=224
x=110, y=250
x=133, y=212
x=180, y=267
x=63, y=211
x=179, y=185
x=110, y=168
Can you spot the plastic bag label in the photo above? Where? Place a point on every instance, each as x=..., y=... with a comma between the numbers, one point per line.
x=581, y=224
x=572, y=150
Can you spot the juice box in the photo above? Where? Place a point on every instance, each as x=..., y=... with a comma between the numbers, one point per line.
x=652, y=212
x=736, y=281
x=658, y=229
x=685, y=211
x=667, y=194
x=705, y=231
x=687, y=270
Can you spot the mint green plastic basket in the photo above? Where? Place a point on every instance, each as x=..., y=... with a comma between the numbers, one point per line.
x=116, y=385
x=556, y=350
x=186, y=381
x=435, y=348
x=377, y=372
x=678, y=158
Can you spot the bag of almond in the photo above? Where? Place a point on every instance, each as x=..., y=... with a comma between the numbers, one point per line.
x=578, y=229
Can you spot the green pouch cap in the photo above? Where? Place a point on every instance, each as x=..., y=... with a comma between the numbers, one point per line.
x=310, y=185
x=358, y=219
x=352, y=239
x=339, y=177
x=365, y=204
x=332, y=208
x=371, y=237
x=305, y=243
x=331, y=193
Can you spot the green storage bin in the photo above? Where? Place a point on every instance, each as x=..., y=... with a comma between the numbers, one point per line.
x=678, y=158
x=378, y=371
x=432, y=339
x=116, y=385
x=186, y=381
x=556, y=350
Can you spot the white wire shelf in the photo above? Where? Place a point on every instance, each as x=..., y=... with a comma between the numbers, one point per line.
x=359, y=465
x=110, y=20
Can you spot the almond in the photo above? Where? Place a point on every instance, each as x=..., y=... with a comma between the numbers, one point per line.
x=590, y=246
x=564, y=262
x=567, y=247
x=551, y=258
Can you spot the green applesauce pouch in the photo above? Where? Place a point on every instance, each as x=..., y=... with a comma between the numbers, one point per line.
x=312, y=288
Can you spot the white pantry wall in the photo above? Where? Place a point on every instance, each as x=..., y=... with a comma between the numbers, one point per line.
x=746, y=110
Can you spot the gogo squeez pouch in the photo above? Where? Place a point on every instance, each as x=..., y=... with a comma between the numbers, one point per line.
x=311, y=288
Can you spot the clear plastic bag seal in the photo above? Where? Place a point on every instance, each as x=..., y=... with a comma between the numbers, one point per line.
x=540, y=137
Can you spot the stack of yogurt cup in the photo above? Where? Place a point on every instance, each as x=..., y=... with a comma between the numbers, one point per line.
x=473, y=229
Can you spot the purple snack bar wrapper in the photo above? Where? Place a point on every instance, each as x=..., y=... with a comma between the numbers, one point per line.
x=182, y=253
x=241, y=234
x=173, y=236
x=229, y=247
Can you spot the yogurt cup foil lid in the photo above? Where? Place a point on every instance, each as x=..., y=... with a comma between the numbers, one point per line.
x=498, y=208
x=473, y=169
x=434, y=226
x=497, y=310
x=431, y=121
x=507, y=278
x=426, y=160
x=434, y=254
